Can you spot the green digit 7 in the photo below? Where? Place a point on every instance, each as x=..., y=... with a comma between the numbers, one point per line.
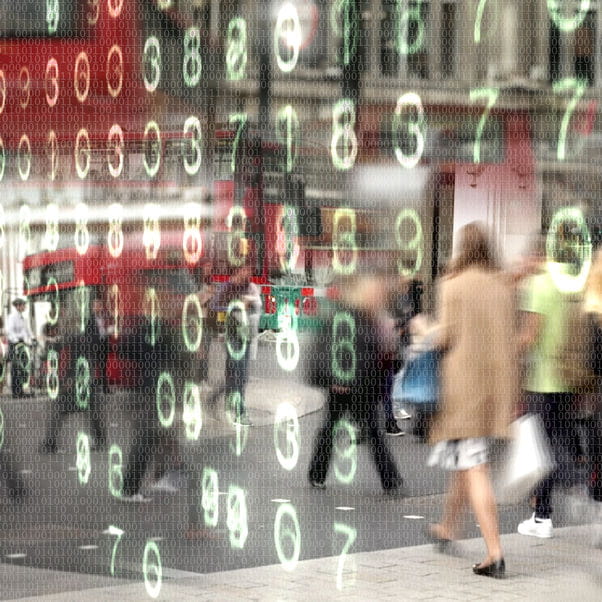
x=241, y=119
x=351, y=534
x=491, y=94
x=477, y=21
x=119, y=533
x=578, y=87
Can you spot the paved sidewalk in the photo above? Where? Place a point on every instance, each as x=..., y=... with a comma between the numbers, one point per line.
x=564, y=568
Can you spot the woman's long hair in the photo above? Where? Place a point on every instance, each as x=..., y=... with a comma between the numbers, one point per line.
x=474, y=250
x=593, y=287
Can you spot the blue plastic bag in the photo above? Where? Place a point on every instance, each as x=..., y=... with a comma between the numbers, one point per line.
x=418, y=383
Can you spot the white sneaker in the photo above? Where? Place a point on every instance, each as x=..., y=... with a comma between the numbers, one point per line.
x=536, y=527
x=137, y=498
x=402, y=415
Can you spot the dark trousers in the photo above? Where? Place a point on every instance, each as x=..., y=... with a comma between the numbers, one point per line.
x=18, y=367
x=557, y=414
x=387, y=399
x=65, y=405
x=339, y=406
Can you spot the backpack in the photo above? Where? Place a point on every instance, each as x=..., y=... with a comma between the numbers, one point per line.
x=577, y=355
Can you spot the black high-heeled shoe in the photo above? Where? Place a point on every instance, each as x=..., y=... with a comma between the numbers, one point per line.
x=496, y=569
x=442, y=544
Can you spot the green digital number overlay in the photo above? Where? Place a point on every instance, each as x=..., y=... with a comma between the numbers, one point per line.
x=151, y=237
x=236, y=518
x=241, y=119
x=82, y=383
x=54, y=299
x=582, y=251
x=192, y=154
x=192, y=65
x=235, y=258
x=192, y=242
x=288, y=132
x=24, y=157
x=287, y=239
x=52, y=374
x=152, y=149
x=192, y=322
x=82, y=297
x=2, y=159
x=236, y=55
x=346, y=455
x=210, y=497
x=491, y=94
x=234, y=409
x=151, y=63
x=415, y=128
x=288, y=351
x=115, y=238
x=343, y=345
x=406, y=12
x=82, y=153
x=343, y=144
x=51, y=236
x=52, y=15
x=344, y=241
x=287, y=30
x=192, y=415
x=286, y=420
x=82, y=234
x=578, y=87
x=115, y=470
x=558, y=15
x=118, y=533
x=151, y=569
x=351, y=534
x=287, y=539
x=25, y=229
x=242, y=329
x=83, y=461
x=478, y=20
x=1, y=428
x=345, y=20
x=166, y=399
x=414, y=245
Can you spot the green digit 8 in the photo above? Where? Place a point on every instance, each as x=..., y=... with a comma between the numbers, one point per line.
x=52, y=374
x=287, y=133
x=192, y=325
x=344, y=241
x=236, y=55
x=346, y=455
x=582, y=250
x=115, y=470
x=404, y=17
x=191, y=415
x=578, y=87
x=415, y=244
x=350, y=533
x=83, y=462
x=345, y=19
x=286, y=416
x=236, y=518
x=192, y=65
x=292, y=534
x=287, y=31
x=151, y=63
x=82, y=234
x=343, y=135
x=491, y=94
x=115, y=237
x=567, y=23
x=343, y=346
x=52, y=15
x=210, y=497
x=51, y=236
x=166, y=396
x=151, y=564
x=192, y=155
x=82, y=383
x=192, y=243
x=415, y=128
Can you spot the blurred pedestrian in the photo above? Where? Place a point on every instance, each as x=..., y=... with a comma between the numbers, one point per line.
x=350, y=356
x=98, y=331
x=19, y=337
x=545, y=311
x=478, y=389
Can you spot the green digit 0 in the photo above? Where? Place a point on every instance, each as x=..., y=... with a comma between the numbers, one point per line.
x=491, y=94
x=578, y=87
x=192, y=325
x=166, y=396
x=404, y=16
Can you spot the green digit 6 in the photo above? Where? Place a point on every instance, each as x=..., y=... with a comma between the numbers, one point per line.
x=578, y=87
x=115, y=470
x=149, y=565
x=288, y=29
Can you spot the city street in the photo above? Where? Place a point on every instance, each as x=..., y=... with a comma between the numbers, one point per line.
x=259, y=508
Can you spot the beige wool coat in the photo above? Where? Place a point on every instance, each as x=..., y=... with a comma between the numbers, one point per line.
x=479, y=372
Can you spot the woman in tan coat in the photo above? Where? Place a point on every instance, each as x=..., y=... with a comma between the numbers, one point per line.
x=479, y=387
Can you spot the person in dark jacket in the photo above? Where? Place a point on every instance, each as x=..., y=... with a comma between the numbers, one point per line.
x=352, y=361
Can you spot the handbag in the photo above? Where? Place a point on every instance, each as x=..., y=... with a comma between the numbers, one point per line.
x=418, y=382
x=528, y=460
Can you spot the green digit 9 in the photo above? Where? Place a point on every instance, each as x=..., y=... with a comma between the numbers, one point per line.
x=52, y=15
x=491, y=94
x=415, y=244
x=291, y=533
x=578, y=86
x=236, y=55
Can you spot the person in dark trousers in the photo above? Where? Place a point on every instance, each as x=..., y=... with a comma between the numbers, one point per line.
x=349, y=354
x=19, y=336
x=97, y=335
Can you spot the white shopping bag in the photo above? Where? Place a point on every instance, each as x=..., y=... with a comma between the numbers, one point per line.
x=528, y=460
